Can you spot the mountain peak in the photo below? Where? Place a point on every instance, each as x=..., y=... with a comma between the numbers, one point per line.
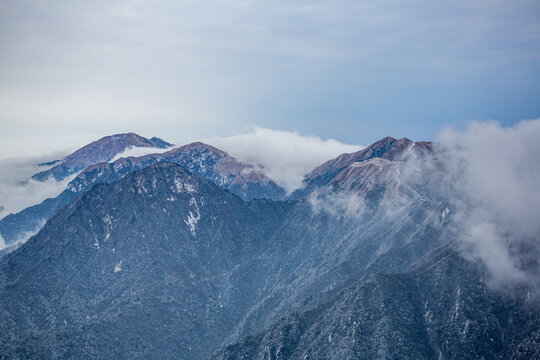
x=103, y=149
x=197, y=146
x=124, y=140
x=387, y=148
x=198, y=158
x=176, y=178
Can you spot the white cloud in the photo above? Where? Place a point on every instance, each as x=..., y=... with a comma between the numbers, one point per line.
x=491, y=176
x=495, y=176
x=283, y=156
x=139, y=151
x=17, y=192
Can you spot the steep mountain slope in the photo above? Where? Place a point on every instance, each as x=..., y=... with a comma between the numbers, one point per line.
x=373, y=275
x=387, y=148
x=132, y=269
x=318, y=251
x=372, y=208
x=440, y=309
x=201, y=159
x=378, y=318
x=163, y=264
x=103, y=149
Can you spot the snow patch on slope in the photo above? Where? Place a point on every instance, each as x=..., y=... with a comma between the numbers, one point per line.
x=181, y=186
x=193, y=217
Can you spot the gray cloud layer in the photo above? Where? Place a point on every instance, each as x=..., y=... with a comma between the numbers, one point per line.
x=353, y=70
x=283, y=156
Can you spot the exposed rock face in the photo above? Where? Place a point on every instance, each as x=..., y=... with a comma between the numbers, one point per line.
x=529, y=348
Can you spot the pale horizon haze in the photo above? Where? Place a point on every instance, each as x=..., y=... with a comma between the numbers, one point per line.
x=354, y=71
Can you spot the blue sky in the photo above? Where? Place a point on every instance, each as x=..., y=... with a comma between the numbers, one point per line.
x=354, y=71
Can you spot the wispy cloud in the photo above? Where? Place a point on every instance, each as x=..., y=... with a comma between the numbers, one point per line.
x=490, y=177
x=495, y=175
x=339, y=204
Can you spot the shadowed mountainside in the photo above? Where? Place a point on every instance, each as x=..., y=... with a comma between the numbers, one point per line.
x=161, y=264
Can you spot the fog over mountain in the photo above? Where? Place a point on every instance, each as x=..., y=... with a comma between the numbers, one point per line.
x=26, y=181
x=270, y=180
x=494, y=174
x=18, y=190
x=284, y=156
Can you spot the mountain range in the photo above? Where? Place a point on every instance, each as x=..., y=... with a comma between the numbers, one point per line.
x=201, y=159
x=192, y=254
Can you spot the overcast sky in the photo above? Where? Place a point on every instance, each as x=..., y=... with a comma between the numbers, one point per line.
x=355, y=71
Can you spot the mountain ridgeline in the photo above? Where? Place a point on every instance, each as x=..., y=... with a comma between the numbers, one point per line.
x=190, y=254
x=103, y=149
x=201, y=159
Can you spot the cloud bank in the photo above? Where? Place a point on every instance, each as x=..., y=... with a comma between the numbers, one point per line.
x=338, y=204
x=495, y=174
x=283, y=156
x=17, y=192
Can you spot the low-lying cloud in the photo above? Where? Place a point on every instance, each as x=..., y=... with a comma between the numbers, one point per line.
x=338, y=204
x=490, y=177
x=283, y=156
x=17, y=191
x=495, y=174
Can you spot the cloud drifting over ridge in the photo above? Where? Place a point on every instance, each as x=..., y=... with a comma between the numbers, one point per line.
x=283, y=156
x=139, y=151
x=495, y=173
x=17, y=192
x=490, y=176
